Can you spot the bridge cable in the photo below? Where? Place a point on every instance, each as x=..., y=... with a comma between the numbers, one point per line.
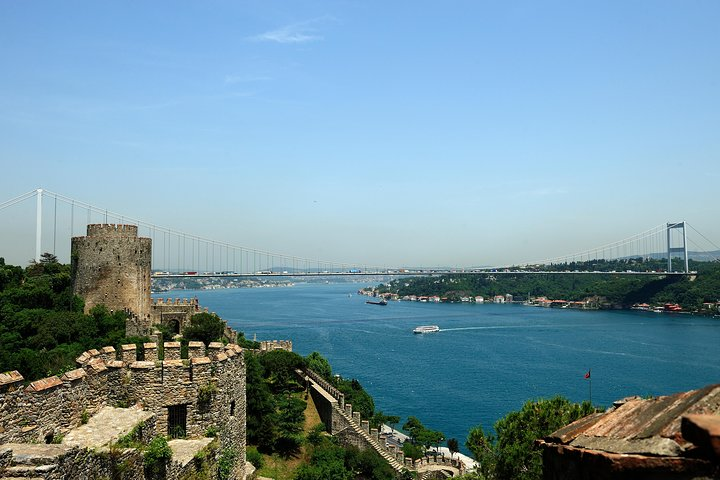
x=703, y=236
x=18, y=199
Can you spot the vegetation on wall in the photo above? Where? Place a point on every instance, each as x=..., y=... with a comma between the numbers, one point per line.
x=156, y=455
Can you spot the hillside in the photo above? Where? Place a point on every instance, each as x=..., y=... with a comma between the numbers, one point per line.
x=617, y=291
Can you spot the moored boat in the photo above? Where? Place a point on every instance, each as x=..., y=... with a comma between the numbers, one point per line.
x=381, y=302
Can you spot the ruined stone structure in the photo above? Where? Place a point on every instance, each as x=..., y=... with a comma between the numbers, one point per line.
x=270, y=345
x=175, y=314
x=670, y=437
x=176, y=396
x=111, y=266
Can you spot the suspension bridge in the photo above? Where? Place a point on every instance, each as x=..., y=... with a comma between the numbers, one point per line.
x=177, y=254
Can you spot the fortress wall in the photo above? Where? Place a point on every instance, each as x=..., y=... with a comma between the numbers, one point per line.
x=325, y=405
x=230, y=409
x=53, y=405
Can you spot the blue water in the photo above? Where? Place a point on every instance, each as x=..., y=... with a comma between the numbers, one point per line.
x=487, y=360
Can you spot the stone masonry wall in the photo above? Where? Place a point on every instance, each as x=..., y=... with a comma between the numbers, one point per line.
x=175, y=314
x=210, y=383
x=111, y=266
x=350, y=429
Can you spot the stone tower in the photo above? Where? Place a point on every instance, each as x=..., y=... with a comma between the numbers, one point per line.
x=111, y=266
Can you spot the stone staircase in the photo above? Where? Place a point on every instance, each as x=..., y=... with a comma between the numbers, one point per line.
x=397, y=466
x=32, y=461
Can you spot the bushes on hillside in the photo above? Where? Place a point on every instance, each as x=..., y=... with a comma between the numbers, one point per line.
x=42, y=324
x=510, y=454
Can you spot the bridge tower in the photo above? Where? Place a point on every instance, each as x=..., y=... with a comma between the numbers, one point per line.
x=677, y=249
x=111, y=266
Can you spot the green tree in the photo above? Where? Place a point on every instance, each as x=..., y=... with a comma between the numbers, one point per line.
x=367, y=464
x=204, y=327
x=413, y=451
x=315, y=436
x=327, y=462
x=453, y=446
x=42, y=324
x=427, y=438
x=318, y=364
x=414, y=427
x=290, y=420
x=511, y=454
x=261, y=417
x=379, y=419
x=279, y=367
x=48, y=265
x=392, y=420
x=356, y=395
x=483, y=449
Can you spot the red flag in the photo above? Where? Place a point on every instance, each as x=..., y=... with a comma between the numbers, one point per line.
x=587, y=375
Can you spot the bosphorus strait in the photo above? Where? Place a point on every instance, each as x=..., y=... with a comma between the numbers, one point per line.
x=487, y=360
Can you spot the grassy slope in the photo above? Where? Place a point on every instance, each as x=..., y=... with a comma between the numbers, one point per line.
x=281, y=469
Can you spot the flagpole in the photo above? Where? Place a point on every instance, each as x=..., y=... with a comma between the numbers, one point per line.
x=588, y=377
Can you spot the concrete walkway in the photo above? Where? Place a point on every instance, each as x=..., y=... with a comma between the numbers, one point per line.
x=106, y=427
x=184, y=450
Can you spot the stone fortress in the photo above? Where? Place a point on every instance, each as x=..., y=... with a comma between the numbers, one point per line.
x=111, y=266
x=68, y=426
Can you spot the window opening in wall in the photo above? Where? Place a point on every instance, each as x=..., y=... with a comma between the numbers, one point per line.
x=177, y=420
x=232, y=408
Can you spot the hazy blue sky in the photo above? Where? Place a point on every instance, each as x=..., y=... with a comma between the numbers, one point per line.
x=425, y=133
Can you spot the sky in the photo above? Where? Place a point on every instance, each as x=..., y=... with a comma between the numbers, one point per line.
x=389, y=133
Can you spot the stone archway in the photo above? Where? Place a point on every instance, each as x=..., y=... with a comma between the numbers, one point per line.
x=174, y=325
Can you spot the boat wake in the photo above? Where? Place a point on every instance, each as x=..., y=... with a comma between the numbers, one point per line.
x=491, y=327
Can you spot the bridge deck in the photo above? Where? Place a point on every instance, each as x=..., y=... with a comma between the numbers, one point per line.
x=407, y=273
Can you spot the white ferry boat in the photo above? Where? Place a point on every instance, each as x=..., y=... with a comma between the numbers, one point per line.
x=426, y=329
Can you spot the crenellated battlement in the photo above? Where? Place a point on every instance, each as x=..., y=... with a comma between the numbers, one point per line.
x=112, y=230
x=156, y=377
x=351, y=429
x=329, y=388
x=154, y=356
x=177, y=301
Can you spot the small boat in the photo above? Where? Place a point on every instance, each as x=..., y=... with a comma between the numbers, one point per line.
x=426, y=329
x=381, y=302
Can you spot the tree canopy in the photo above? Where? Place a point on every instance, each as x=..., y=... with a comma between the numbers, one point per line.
x=42, y=324
x=204, y=327
x=319, y=364
x=510, y=454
